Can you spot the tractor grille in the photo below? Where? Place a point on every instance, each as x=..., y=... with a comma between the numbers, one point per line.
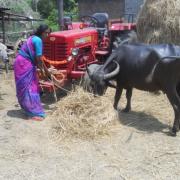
x=48, y=50
x=61, y=51
x=56, y=51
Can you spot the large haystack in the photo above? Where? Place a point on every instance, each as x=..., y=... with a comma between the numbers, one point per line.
x=82, y=115
x=159, y=22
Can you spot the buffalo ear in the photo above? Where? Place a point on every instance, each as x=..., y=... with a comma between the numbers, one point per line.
x=111, y=84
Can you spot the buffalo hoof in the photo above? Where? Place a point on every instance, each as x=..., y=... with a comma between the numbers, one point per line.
x=125, y=110
x=173, y=132
x=115, y=107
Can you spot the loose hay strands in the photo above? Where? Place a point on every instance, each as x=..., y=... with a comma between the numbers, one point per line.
x=82, y=115
x=158, y=22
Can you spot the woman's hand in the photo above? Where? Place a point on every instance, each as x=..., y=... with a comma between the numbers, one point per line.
x=43, y=68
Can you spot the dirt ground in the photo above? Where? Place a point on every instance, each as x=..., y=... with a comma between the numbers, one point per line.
x=138, y=146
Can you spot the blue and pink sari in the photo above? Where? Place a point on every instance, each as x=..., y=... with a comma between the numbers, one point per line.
x=27, y=86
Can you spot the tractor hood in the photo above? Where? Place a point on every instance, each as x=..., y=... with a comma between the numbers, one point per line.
x=74, y=38
x=58, y=45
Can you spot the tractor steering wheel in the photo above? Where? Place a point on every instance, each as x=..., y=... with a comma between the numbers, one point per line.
x=90, y=21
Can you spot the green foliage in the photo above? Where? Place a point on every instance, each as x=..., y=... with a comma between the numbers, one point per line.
x=45, y=7
x=71, y=9
x=52, y=20
x=48, y=11
x=29, y=2
x=70, y=5
x=21, y=7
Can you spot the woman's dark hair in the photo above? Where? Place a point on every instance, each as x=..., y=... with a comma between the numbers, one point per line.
x=42, y=28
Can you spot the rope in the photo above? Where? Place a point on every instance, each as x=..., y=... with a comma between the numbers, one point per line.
x=54, y=80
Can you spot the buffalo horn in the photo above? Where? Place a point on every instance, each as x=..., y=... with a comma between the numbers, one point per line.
x=113, y=73
x=171, y=57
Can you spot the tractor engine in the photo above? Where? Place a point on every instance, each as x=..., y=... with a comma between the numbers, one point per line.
x=70, y=51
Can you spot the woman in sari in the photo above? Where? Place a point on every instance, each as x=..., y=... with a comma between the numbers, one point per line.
x=27, y=87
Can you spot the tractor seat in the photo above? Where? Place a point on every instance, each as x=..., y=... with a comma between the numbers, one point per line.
x=102, y=19
x=67, y=23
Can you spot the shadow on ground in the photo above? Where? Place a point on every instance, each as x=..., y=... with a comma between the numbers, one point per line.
x=142, y=122
x=48, y=97
x=17, y=114
x=1, y=96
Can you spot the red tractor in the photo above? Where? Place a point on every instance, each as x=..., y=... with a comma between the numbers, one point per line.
x=91, y=41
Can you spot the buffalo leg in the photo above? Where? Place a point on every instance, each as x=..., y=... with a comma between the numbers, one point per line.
x=178, y=89
x=175, y=102
x=128, y=97
x=117, y=96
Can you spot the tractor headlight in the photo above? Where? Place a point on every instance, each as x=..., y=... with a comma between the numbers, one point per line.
x=75, y=51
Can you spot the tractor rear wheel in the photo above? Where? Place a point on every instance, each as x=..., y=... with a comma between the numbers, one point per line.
x=125, y=38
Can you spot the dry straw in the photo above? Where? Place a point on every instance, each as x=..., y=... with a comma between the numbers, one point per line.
x=82, y=115
x=159, y=22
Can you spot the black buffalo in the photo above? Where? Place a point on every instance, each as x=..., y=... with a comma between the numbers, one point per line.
x=145, y=67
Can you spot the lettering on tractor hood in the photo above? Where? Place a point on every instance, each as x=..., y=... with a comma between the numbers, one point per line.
x=82, y=40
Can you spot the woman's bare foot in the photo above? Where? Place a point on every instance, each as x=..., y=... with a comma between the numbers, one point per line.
x=37, y=118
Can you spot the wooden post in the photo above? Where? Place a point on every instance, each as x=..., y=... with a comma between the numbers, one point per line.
x=60, y=13
x=3, y=29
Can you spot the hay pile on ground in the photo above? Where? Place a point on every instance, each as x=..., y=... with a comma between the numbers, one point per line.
x=159, y=22
x=82, y=115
